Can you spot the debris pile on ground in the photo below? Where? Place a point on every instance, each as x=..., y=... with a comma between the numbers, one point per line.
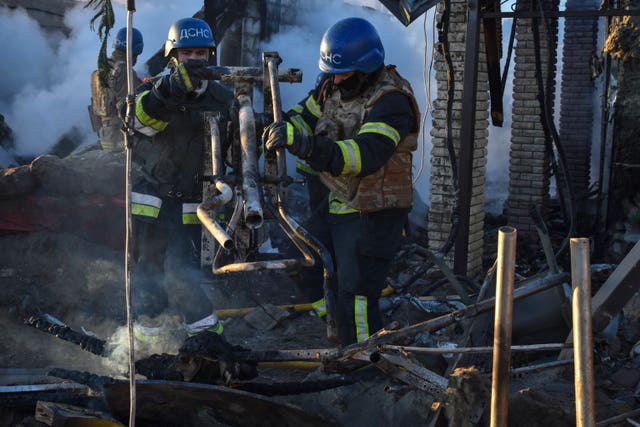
x=64, y=268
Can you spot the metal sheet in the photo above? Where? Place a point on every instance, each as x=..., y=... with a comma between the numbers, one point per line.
x=178, y=403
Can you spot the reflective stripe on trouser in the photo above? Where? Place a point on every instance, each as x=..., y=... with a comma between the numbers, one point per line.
x=189, y=215
x=145, y=205
x=319, y=307
x=210, y=323
x=360, y=317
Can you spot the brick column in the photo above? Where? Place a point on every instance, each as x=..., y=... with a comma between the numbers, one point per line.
x=442, y=196
x=529, y=163
x=577, y=100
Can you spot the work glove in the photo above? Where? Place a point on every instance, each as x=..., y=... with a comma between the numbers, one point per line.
x=183, y=80
x=284, y=134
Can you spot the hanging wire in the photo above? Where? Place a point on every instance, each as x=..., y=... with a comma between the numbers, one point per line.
x=106, y=19
x=426, y=82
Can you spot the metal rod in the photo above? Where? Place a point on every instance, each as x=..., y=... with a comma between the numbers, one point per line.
x=226, y=193
x=272, y=68
x=503, y=325
x=129, y=120
x=438, y=350
x=618, y=418
x=253, y=216
x=212, y=226
x=582, y=339
x=231, y=74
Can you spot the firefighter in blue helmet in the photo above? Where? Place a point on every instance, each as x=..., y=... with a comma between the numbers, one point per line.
x=106, y=100
x=355, y=134
x=169, y=149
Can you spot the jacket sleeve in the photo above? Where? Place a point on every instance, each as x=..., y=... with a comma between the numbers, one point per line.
x=151, y=113
x=389, y=122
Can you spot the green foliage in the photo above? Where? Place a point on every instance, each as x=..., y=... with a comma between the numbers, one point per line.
x=106, y=20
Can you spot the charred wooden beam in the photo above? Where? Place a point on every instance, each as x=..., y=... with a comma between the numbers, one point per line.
x=88, y=343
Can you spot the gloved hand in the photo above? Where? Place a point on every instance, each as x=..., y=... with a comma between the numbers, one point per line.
x=284, y=134
x=183, y=80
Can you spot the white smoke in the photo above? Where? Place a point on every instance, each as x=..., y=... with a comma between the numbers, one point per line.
x=45, y=88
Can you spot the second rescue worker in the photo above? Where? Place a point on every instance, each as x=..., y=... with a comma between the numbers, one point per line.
x=170, y=153
x=356, y=131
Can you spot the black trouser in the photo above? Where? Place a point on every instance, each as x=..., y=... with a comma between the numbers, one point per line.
x=167, y=273
x=364, y=246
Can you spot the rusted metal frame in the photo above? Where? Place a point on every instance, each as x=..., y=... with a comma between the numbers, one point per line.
x=583, y=338
x=387, y=336
x=502, y=330
x=467, y=135
x=399, y=366
x=562, y=13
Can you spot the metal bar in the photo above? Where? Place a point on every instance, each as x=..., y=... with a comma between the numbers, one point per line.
x=438, y=350
x=231, y=74
x=272, y=68
x=226, y=192
x=506, y=264
x=562, y=13
x=216, y=230
x=467, y=135
x=618, y=418
x=583, y=341
x=253, y=216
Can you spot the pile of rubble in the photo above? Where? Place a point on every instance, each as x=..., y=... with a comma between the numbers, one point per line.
x=64, y=337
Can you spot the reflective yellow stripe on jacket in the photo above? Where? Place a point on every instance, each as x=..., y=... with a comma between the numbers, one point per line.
x=144, y=123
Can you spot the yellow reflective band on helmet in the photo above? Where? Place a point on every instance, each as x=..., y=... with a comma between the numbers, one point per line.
x=305, y=168
x=301, y=125
x=145, y=205
x=189, y=215
x=146, y=120
x=381, y=129
x=320, y=307
x=360, y=318
x=351, y=155
x=313, y=106
x=185, y=77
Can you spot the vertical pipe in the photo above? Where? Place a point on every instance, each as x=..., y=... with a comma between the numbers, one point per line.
x=253, y=216
x=502, y=325
x=582, y=327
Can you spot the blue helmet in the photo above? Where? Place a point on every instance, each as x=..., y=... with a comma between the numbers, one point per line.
x=351, y=44
x=189, y=32
x=120, y=42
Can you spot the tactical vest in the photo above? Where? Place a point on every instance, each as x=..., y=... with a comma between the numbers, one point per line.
x=390, y=186
x=106, y=103
x=172, y=161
